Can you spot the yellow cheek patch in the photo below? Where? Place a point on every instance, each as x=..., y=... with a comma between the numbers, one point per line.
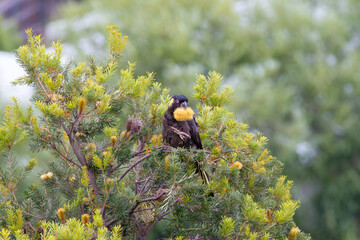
x=183, y=114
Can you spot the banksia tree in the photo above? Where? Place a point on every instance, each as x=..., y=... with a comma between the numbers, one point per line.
x=113, y=177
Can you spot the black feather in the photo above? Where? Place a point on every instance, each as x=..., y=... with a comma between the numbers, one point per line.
x=183, y=134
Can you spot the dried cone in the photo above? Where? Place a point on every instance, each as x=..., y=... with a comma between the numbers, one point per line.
x=133, y=126
x=162, y=194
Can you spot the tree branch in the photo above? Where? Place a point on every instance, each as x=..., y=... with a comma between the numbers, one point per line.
x=143, y=200
x=64, y=157
x=133, y=165
x=109, y=223
x=157, y=219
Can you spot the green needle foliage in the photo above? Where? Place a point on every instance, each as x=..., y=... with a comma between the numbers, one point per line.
x=113, y=178
x=294, y=68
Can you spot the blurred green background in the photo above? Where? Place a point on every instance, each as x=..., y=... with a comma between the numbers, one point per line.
x=294, y=66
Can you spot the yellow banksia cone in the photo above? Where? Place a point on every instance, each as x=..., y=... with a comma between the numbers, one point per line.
x=82, y=105
x=31, y=164
x=46, y=176
x=293, y=233
x=72, y=179
x=237, y=165
x=79, y=134
x=166, y=163
x=35, y=125
x=61, y=215
x=269, y=214
x=113, y=140
x=85, y=218
x=156, y=140
x=50, y=174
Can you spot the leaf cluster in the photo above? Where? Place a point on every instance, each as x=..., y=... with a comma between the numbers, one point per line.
x=112, y=167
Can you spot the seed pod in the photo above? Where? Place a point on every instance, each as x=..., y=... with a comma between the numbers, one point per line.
x=162, y=194
x=133, y=126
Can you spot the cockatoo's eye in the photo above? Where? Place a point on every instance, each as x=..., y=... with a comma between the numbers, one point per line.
x=177, y=101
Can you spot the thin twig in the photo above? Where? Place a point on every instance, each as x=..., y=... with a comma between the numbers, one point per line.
x=133, y=165
x=109, y=223
x=31, y=215
x=144, y=185
x=157, y=219
x=143, y=200
x=144, y=209
x=64, y=157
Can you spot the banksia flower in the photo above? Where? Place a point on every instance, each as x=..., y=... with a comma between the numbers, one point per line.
x=269, y=214
x=124, y=135
x=82, y=105
x=216, y=150
x=43, y=177
x=65, y=137
x=31, y=164
x=61, y=215
x=156, y=140
x=110, y=182
x=50, y=174
x=113, y=140
x=91, y=147
x=85, y=218
x=166, y=163
x=72, y=179
x=35, y=125
x=79, y=134
x=293, y=233
x=90, y=151
x=237, y=165
x=46, y=176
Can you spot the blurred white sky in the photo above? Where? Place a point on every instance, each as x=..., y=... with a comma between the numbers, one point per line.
x=9, y=71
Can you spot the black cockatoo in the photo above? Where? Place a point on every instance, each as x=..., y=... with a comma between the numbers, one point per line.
x=181, y=130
